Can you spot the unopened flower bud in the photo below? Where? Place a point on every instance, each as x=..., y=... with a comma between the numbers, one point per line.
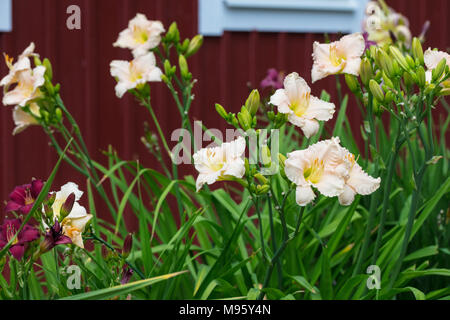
x=37, y=61
x=265, y=156
x=417, y=50
x=261, y=178
x=194, y=45
x=409, y=81
x=167, y=68
x=252, y=103
x=184, y=46
x=184, y=70
x=385, y=63
x=366, y=72
x=376, y=90
x=173, y=34
x=421, y=78
x=389, y=97
x=352, y=83
x=48, y=69
x=67, y=206
x=245, y=119
x=387, y=81
x=58, y=114
x=50, y=198
x=399, y=57
x=165, y=79
x=127, y=245
x=439, y=70
x=410, y=61
x=260, y=190
x=221, y=111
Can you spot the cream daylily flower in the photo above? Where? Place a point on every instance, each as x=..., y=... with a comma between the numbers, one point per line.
x=318, y=167
x=131, y=74
x=75, y=223
x=217, y=163
x=27, y=88
x=23, y=63
x=141, y=35
x=23, y=119
x=432, y=59
x=303, y=109
x=343, y=56
x=356, y=180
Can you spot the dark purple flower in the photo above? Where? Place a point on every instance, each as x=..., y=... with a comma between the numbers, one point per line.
x=7, y=231
x=53, y=237
x=126, y=274
x=274, y=79
x=368, y=42
x=23, y=197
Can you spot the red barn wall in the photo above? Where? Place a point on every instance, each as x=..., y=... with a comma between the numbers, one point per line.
x=81, y=60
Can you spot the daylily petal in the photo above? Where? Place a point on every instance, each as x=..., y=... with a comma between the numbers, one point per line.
x=319, y=109
x=330, y=184
x=304, y=195
x=17, y=251
x=361, y=182
x=347, y=196
x=432, y=58
x=309, y=127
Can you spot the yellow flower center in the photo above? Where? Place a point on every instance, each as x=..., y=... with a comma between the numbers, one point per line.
x=69, y=229
x=300, y=106
x=9, y=60
x=335, y=57
x=314, y=173
x=215, y=164
x=10, y=233
x=140, y=35
x=135, y=74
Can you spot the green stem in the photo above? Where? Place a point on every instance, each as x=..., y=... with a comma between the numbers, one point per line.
x=274, y=242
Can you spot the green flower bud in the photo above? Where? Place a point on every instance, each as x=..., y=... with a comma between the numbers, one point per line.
x=421, y=79
x=410, y=61
x=261, y=178
x=260, y=190
x=417, y=50
x=377, y=109
x=221, y=111
x=399, y=57
x=252, y=103
x=173, y=34
x=271, y=115
x=352, y=83
x=245, y=119
x=281, y=160
x=58, y=114
x=389, y=97
x=184, y=70
x=444, y=92
x=265, y=156
x=184, y=46
x=385, y=63
x=376, y=90
x=48, y=69
x=194, y=45
x=167, y=68
x=246, y=165
x=409, y=81
x=387, y=81
x=165, y=79
x=366, y=72
x=37, y=61
x=439, y=70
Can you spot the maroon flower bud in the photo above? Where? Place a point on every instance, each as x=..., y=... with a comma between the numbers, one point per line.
x=127, y=245
x=53, y=237
x=127, y=273
x=67, y=206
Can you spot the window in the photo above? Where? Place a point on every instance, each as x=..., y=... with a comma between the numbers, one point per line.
x=215, y=16
x=5, y=15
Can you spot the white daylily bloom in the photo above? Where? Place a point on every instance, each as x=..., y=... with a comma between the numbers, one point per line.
x=356, y=180
x=23, y=63
x=343, y=56
x=23, y=119
x=27, y=88
x=432, y=59
x=141, y=35
x=318, y=167
x=303, y=109
x=74, y=224
x=219, y=162
x=131, y=74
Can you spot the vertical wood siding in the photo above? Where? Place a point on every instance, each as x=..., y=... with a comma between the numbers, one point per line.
x=81, y=60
